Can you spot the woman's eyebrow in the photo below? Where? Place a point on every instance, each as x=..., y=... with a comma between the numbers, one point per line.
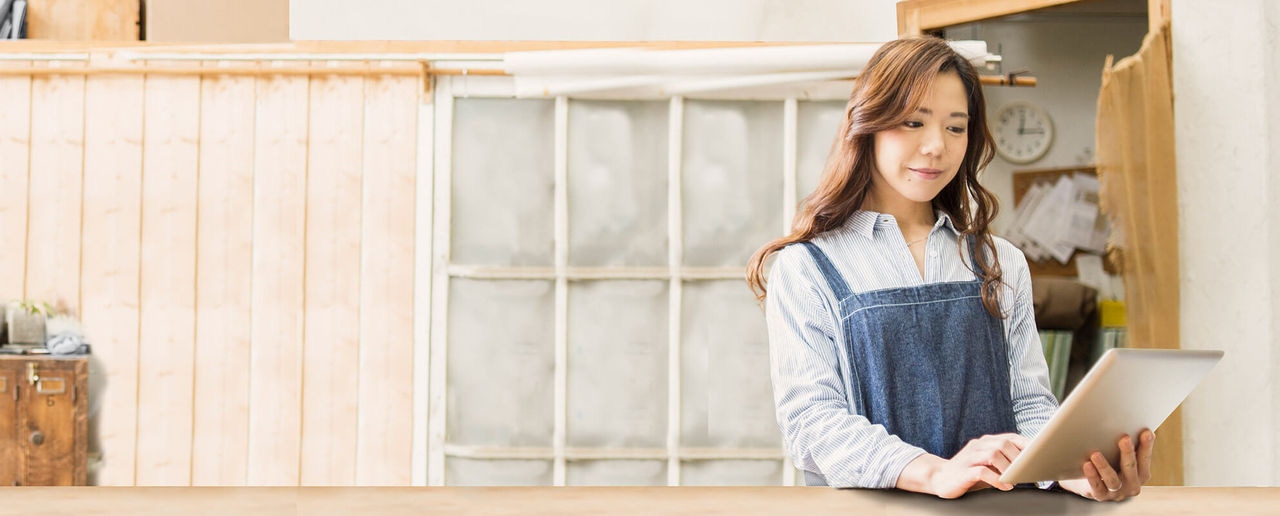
x=956, y=114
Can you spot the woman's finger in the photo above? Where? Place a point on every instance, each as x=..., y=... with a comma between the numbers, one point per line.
x=1096, y=486
x=999, y=461
x=1129, y=466
x=1111, y=481
x=1146, y=447
x=1011, y=450
x=992, y=478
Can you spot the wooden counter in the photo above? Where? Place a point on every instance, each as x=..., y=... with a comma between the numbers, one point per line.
x=246, y=501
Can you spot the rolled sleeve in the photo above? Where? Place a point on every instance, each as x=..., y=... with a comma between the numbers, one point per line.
x=821, y=432
x=1033, y=401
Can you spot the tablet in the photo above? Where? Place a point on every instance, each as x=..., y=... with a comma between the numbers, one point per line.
x=1126, y=391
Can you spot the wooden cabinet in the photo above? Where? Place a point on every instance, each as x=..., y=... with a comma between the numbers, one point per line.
x=43, y=420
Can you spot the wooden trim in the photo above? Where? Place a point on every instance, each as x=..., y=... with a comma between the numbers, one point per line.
x=1157, y=14
x=438, y=46
x=621, y=500
x=916, y=17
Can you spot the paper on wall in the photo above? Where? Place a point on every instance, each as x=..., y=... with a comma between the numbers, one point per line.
x=1029, y=202
x=1085, y=228
x=1044, y=225
x=1090, y=272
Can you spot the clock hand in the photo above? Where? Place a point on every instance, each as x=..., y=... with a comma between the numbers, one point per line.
x=1022, y=122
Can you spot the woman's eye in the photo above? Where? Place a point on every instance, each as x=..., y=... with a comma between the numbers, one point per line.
x=913, y=124
x=956, y=129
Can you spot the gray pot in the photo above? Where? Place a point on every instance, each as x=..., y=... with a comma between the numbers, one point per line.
x=24, y=328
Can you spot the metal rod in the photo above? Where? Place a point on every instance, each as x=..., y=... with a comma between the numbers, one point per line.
x=319, y=56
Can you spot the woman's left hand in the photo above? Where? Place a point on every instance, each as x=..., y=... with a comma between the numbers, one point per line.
x=1101, y=482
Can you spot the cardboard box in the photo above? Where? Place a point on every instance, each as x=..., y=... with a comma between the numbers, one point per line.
x=223, y=21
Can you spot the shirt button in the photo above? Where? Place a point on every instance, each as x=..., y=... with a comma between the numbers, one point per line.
x=933, y=254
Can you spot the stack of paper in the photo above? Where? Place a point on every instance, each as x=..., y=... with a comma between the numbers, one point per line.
x=1057, y=353
x=1052, y=221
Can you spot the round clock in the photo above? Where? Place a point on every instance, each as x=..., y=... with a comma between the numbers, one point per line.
x=1023, y=132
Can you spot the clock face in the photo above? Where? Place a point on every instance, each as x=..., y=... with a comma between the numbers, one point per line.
x=1022, y=132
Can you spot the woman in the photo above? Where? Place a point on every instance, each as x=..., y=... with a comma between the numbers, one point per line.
x=903, y=343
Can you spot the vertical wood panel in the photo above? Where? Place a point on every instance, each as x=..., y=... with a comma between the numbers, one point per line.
x=280, y=161
x=112, y=219
x=386, y=286
x=224, y=247
x=57, y=147
x=330, y=383
x=81, y=20
x=15, y=146
x=167, y=333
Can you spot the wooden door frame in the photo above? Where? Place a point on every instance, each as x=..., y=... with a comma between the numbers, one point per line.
x=916, y=17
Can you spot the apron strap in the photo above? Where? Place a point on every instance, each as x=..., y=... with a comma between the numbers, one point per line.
x=973, y=256
x=838, y=286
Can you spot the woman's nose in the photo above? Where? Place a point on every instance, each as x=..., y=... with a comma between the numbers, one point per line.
x=932, y=143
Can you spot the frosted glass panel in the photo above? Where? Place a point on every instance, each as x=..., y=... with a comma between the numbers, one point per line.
x=617, y=183
x=617, y=363
x=503, y=182
x=617, y=473
x=477, y=472
x=816, y=125
x=732, y=180
x=727, y=395
x=731, y=473
x=501, y=369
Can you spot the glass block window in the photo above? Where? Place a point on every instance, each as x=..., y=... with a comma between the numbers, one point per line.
x=589, y=314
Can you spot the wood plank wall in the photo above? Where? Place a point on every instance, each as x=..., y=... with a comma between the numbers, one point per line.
x=240, y=251
x=83, y=20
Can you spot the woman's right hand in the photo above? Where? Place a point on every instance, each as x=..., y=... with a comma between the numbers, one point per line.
x=976, y=466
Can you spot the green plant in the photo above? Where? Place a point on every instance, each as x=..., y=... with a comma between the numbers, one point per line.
x=35, y=307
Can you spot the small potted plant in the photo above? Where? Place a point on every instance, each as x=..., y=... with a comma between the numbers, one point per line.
x=25, y=320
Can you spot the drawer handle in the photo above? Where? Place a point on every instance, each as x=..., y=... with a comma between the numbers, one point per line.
x=51, y=385
x=37, y=438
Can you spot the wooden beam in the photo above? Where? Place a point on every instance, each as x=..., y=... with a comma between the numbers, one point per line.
x=1157, y=14
x=366, y=47
x=915, y=17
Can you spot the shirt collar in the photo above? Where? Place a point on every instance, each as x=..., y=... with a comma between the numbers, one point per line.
x=865, y=222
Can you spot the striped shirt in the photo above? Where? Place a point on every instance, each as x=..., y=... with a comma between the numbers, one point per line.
x=820, y=430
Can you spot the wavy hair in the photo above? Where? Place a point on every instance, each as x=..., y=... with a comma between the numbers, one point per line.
x=890, y=88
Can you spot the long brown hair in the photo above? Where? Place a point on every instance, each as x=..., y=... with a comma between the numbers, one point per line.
x=891, y=88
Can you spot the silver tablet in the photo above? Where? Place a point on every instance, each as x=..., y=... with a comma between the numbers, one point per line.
x=1126, y=391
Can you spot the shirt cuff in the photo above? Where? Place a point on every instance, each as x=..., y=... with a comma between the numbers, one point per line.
x=894, y=463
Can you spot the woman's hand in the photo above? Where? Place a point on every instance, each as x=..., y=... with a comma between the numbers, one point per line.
x=976, y=466
x=1101, y=482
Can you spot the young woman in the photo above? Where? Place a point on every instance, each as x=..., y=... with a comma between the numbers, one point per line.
x=903, y=343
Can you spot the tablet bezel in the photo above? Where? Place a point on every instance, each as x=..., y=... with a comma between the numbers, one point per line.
x=1126, y=391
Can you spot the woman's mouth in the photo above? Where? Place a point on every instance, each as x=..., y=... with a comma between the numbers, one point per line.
x=927, y=173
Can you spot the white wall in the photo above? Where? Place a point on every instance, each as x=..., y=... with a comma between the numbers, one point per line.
x=1065, y=55
x=1226, y=71
x=594, y=20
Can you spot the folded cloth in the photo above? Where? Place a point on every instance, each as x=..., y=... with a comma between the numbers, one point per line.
x=66, y=343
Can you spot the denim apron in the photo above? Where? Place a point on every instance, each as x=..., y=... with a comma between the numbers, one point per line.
x=928, y=363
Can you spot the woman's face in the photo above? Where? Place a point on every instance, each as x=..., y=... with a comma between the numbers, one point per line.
x=915, y=160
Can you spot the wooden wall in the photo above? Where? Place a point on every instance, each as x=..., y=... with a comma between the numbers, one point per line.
x=240, y=250
x=83, y=20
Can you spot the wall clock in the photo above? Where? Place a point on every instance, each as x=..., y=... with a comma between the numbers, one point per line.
x=1023, y=132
